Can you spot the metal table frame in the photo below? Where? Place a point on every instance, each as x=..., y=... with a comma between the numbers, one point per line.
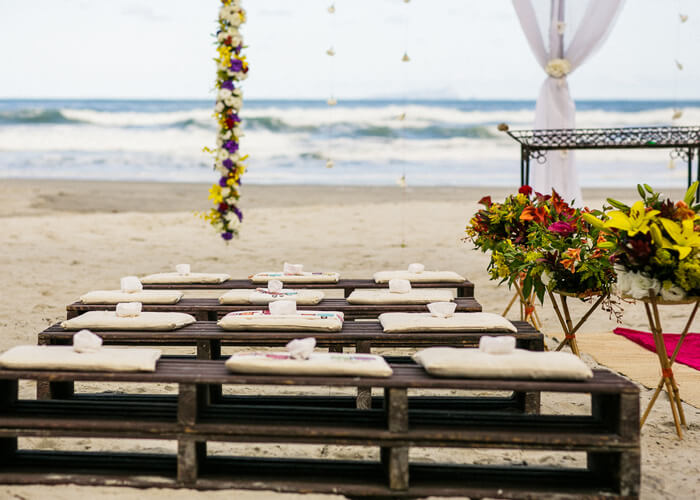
x=684, y=143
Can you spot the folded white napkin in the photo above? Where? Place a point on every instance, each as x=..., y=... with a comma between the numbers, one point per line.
x=274, y=286
x=145, y=297
x=416, y=268
x=283, y=307
x=318, y=363
x=459, y=322
x=301, y=321
x=294, y=269
x=518, y=364
x=182, y=269
x=86, y=341
x=128, y=309
x=64, y=357
x=130, y=284
x=399, y=286
x=301, y=348
x=504, y=344
x=421, y=277
x=148, y=321
x=414, y=296
x=442, y=309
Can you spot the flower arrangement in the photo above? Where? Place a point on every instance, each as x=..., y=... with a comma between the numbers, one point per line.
x=543, y=242
x=655, y=245
x=232, y=68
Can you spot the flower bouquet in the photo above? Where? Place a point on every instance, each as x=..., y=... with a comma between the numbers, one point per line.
x=543, y=241
x=655, y=245
x=499, y=229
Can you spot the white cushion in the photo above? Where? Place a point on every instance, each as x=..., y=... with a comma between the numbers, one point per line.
x=256, y=297
x=184, y=279
x=305, y=277
x=414, y=296
x=281, y=363
x=145, y=297
x=460, y=322
x=108, y=320
x=520, y=364
x=424, y=277
x=307, y=321
x=44, y=357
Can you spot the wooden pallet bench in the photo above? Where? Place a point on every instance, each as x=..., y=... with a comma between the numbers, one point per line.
x=464, y=289
x=211, y=310
x=609, y=436
x=208, y=338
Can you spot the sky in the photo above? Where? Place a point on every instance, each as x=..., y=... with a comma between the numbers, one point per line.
x=462, y=49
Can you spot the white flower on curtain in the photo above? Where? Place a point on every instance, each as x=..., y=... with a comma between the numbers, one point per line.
x=561, y=46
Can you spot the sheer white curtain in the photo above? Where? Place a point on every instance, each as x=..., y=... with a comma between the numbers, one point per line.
x=562, y=35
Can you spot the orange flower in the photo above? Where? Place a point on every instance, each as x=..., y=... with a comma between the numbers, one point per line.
x=538, y=214
x=574, y=256
x=683, y=211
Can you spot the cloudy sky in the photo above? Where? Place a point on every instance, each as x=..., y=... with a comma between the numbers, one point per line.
x=458, y=49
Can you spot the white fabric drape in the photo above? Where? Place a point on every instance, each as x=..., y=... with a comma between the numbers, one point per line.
x=562, y=37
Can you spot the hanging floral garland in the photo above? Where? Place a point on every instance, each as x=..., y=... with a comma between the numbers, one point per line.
x=232, y=68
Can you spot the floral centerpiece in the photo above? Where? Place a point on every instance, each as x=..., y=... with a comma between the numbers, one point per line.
x=544, y=243
x=232, y=68
x=655, y=245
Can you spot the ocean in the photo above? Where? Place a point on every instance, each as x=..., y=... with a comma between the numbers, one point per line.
x=437, y=143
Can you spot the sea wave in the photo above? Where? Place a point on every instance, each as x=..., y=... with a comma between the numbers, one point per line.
x=411, y=122
x=432, y=143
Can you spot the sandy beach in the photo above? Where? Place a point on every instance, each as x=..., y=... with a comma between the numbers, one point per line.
x=62, y=238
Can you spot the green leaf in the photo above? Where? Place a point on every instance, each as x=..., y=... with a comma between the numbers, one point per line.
x=641, y=192
x=618, y=204
x=527, y=286
x=648, y=188
x=690, y=193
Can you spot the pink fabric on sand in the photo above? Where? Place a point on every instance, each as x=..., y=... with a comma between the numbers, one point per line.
x=688, y=355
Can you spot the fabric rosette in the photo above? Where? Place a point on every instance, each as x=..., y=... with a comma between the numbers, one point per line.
x=558, y=68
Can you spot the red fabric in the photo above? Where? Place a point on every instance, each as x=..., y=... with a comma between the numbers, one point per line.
x=688, y=355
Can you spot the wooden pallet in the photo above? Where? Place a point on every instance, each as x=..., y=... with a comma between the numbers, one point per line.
x=464, y=289
x=208, y=338
x=211, y=310
x=609, y=436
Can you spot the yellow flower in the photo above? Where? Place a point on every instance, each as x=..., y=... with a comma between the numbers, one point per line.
x=215, y=194
x=224, y=53
x=685, y=237
x=636, y=222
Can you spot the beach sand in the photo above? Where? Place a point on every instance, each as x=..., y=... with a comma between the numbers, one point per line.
x=62, y=238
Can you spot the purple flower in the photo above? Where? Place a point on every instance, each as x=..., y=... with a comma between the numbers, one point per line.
x=228, y=163
x=231, y=146
x=238, y=49
x=222, y=182
x=227, y=235
x=561, y=228
x=227, y=84
x=238, y=213
x=236, y=65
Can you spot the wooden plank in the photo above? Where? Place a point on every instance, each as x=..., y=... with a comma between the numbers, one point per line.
x=405, y=376
x=347, y=478
x=205, y=309
x=350, y=335
x=464, y=289
x=190, y=455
